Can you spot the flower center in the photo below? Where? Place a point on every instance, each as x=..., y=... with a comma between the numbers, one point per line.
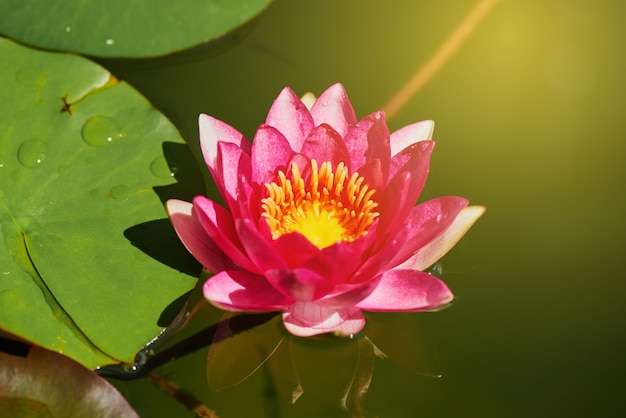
x=329, y=209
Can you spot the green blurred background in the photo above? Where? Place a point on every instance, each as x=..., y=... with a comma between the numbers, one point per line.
x=529, y=122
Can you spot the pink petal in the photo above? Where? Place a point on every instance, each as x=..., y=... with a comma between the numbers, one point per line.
x=393, y=205
x=372, y=172
x=438, y=247
x=426, y=221
x=270, y=150
x=301, y=284
x=325, y=144
x=380, y=256
x=232, y=162
x=416, y=159
x=213, y=131
x=239, y=290
x=411, y=134
x=333, y=263
x=258, y=247
x=334, y=108
x=219, y=225
x=341, y=260
x=305, y=319
x=301, y=160
x=195, y=239
x=291, y=117
x=409, y=169
x=407, y=290
x=369, y=139
x=248, y=198
x=347, y=295
x=295, y=249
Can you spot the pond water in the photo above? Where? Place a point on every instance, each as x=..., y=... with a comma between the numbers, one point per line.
x=529, y=123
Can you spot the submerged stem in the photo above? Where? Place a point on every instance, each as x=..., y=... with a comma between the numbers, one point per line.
x=148, y=359
x=181, y=395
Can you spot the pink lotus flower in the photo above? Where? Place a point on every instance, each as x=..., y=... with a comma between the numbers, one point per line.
x=321, y=221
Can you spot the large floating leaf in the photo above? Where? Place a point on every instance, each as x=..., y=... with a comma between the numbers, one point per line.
x=80, y=154
x=123, y=28
x=40, y=383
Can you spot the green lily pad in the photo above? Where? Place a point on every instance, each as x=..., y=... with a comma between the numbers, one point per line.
x=122, y=28
x=41, y=383
x=82, y=157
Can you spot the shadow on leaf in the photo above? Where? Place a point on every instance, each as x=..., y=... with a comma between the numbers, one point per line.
x=184, y=168
x=159, y=240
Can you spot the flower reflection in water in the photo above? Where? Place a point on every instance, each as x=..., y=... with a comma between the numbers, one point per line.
x=333, y=374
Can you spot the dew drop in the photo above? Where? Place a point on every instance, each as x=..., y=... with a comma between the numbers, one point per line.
x=436, y=269
x=159, y=168
x=109, y=42
x=119, y=192
x=32, y=153
x=68, y=29
x=101, y=130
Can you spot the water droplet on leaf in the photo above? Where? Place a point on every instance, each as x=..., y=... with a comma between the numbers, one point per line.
x=159, y=168
x=119, y=192
x=32, y=153
x=101, y=130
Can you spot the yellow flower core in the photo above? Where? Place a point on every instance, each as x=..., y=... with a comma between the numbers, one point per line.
x=329, y=209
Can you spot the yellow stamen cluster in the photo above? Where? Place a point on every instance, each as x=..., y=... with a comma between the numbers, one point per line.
x=329, y=209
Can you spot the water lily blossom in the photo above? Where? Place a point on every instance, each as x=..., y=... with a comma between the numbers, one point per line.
x=321, y=220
